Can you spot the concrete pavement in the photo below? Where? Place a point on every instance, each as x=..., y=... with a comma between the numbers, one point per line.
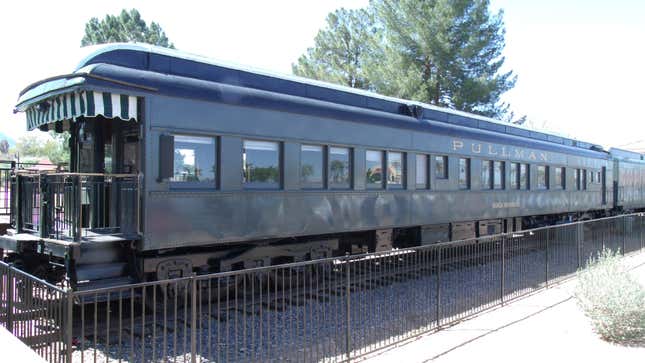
x=13, y=350
x=544, y=327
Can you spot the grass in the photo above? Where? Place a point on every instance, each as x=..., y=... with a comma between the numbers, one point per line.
x=613, y=299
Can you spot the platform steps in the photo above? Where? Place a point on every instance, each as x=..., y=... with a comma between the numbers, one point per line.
x=101, y=266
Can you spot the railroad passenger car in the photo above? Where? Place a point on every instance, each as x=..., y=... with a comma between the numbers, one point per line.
x=182, y=165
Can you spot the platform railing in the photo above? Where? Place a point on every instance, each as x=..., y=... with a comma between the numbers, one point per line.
x=330, y=310
x=71, y=206
x=7, y=169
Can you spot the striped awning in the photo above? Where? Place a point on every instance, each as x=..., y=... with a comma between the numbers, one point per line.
x=70, y=106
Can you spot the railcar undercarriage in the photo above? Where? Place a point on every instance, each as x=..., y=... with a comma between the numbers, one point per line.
x=110, y=260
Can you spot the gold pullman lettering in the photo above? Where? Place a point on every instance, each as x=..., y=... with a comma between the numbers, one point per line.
x=503, y=151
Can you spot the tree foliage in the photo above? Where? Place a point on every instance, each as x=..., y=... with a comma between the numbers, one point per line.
x=4, y=147
x=340, y=50
x=443, y=52
x=125, y=27
x=32, y=147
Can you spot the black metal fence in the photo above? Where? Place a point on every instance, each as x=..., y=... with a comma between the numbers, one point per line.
x=36, y=312
x=331, y=310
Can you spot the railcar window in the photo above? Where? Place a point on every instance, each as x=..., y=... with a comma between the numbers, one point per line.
x=311, y=166
x=374, y=169
x=524, y=176
x=194, y=161
x=543, y=177
x=261, y=164
x=515, y=176
x=487, y=174
x=591, y=176
x=597, y=177
x=422, y=171
x=584, y=179
x=441, y=166
x=464, y=173
x=559, y=177
x=577, y=179
x=339, y=168
x=498, y=174
x=395, y=169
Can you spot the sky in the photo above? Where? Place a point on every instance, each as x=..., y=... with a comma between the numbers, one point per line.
x=579, y=63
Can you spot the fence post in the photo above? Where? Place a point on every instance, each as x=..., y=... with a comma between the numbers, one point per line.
x=42, y=222
x=18, y=205
x=348, y=332
x=579, y=233
x=10, y=287
x=78, y=205
x=439, y=286
x=193, y=323
x=68, y=325
x=605, y=232
x=503, y=272
x=546, y=259
x=624, y=232
x=641, y=229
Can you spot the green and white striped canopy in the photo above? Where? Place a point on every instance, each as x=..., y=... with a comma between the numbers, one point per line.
x=69, y=106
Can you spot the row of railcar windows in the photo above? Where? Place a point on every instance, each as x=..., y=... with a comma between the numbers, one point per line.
x=195, y=164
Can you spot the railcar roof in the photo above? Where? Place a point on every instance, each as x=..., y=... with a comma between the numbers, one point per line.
x=626, y=154
x=145, y=57
x=174, y=62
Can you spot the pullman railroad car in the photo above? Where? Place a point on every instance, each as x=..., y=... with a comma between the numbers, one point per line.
x=182, y=165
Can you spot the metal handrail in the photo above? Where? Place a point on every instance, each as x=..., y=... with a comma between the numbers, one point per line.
x=107, y=175
x=45, y=212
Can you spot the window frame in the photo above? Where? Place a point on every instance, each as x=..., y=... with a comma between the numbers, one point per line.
x=546, y=185
x=350, y=164
x=444, y=160
x=514, y=177
x=323, y=171
x=502, y=175
x=561, y=184
x=201, y=185
x=584, y=179
x=527, y=169
x=466, y=185
x=426, y=184
x=489, y=178
x=382, y=184
x=400, y=185
x=279, y=184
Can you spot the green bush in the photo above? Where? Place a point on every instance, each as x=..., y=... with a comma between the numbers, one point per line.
x=612, y=298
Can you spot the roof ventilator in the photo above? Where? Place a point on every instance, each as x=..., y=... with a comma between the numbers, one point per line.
x=413, y=110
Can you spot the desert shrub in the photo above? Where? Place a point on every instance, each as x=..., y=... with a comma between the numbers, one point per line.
x=612, y=298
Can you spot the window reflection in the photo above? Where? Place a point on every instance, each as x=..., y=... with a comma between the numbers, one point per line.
x=261, y=164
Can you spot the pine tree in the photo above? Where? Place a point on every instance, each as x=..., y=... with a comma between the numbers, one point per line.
x=340, y=50
x=443, y=52
x=126, y=27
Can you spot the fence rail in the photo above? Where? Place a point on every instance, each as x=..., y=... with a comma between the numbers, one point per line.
x=329, y=310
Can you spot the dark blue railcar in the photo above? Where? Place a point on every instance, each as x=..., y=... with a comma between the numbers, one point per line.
x=180, y=164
